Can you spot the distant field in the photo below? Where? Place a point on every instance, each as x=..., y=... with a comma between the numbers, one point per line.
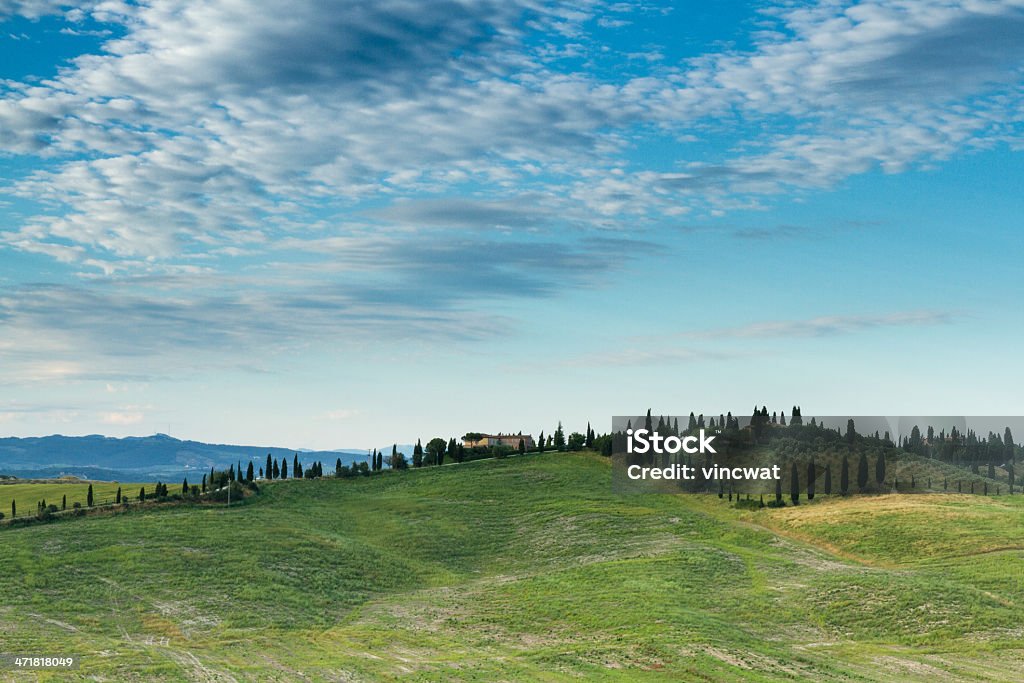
x=27, y=495
x=524, y=569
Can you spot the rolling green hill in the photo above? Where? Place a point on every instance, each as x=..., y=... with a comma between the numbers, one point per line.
x=523, y=569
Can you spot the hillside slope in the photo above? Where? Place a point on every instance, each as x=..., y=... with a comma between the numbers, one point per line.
x=524, y=569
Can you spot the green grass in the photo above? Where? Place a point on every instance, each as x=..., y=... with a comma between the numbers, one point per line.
x=28, y=494
x=524, y=569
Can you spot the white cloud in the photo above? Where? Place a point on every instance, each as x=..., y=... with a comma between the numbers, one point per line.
x=121, y=418
x=229, y=174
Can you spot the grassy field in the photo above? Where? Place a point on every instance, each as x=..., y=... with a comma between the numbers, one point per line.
x=27, y=494
x=524, y=569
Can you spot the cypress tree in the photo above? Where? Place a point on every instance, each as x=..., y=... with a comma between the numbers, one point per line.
x=778, y=491
x=794, y=484
x=560, y=434
x=721, y=489
x=204, y=484
x=540, y=442
x=277, y=470
x=118, y=501
x=862, y=472
x=522, y=447
x=284, y=468
x=812, y=474
x=184, y=486
x=64, y=501
x=991, y=470
x=14, y=509
x=828, y=479
x=296, y=472
x=880, y=469
x=844, y=476
x=269, y=469
x=88, y=496
x=249, y=474
x=142, y=494
x=337, y=467
x=231, y=473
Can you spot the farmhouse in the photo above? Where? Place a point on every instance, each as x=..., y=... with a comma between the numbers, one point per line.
x=474, y=439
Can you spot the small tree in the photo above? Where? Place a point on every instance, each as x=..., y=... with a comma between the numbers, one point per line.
x=117, y=500
x=522, y=447
x=811, y=476
x=284, y=468
x=828, y=479
x=778, y=490
x=794, y=484
x=184, y=486
x=142, y=494
x=559, y=442
x=880, y=469
x=435, y=449
x=249, y=473
x=862, y=472
x=88, y=496
x=64, y=501
x=844, y=477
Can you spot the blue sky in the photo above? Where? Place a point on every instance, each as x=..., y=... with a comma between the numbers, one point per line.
x=341, y=224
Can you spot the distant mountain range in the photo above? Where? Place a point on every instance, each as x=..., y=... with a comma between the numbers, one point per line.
x=142, y=458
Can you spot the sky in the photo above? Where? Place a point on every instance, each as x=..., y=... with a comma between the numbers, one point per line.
x=326, y=225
